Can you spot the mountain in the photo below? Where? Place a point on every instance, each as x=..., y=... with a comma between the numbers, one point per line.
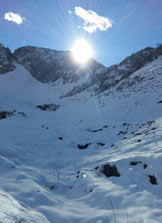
x=49, y=66
x=94, y=156
x=6, y=60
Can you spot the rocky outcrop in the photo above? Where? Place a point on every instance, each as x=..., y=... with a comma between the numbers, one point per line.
x=6, y=60
x=48, y=65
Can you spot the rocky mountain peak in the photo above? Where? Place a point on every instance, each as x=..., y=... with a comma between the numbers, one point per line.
x=6, y=60
x=48, y=65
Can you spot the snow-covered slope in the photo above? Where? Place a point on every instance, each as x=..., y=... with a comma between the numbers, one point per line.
x=52, y=163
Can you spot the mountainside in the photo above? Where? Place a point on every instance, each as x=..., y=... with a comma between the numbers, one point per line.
x=92, y=157
x=6, y=60
x=50, y=66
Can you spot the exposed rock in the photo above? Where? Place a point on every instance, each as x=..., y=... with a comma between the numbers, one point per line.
x=22, y=113
x=110, y=171
x=95, y=130
x=5, y=114
x=134, y=163
x=122, y=133
x=47, y=65
x=149, y=123
x=101, y=144
x=48, y=107
x=153, y=180
x=6, y=60
x=83, y=146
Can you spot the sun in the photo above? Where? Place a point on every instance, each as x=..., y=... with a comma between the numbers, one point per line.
x=81, y=51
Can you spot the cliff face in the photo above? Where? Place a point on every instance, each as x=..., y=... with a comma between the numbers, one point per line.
x=49, y=66
x=6, y=60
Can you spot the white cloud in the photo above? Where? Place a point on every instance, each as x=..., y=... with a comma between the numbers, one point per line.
x=10, y=16
x=92, y=21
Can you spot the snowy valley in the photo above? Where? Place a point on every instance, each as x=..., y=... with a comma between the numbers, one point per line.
x=80, y=144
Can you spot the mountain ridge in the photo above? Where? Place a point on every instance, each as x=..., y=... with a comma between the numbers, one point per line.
x=49, y=66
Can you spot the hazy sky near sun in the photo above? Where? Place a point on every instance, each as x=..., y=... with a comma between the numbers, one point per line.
x=115, y=28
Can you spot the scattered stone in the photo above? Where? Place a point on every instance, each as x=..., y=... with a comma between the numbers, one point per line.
x=137, y=134
x=101, y=144
x=96, y=168
x=83, y=146
x=22, y=113
x=110, y=171
x=142, y=125
x=96, y=130
x=159, y=102
x=5, y=114
x=122, y=133
x=144, y=166
x=154, y=128
x=46, y=127
x=151, y=122
x=139, y=140
x=105, y=126
x=48, y=107
x=60, y=138
x=52, y=187
x=134, y=163
x=153, y=180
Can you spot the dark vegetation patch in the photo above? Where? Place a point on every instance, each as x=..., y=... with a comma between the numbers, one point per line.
x=48, y=107
x=85, y=146
x=6, y=114
x=110, y=171
x=153, y=180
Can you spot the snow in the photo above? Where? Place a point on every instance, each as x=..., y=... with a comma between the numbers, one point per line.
x=45, y=179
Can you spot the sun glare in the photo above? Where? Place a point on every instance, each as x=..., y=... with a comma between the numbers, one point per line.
x=81, y=51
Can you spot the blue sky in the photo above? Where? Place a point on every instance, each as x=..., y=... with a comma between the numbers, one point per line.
x=57, y=24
